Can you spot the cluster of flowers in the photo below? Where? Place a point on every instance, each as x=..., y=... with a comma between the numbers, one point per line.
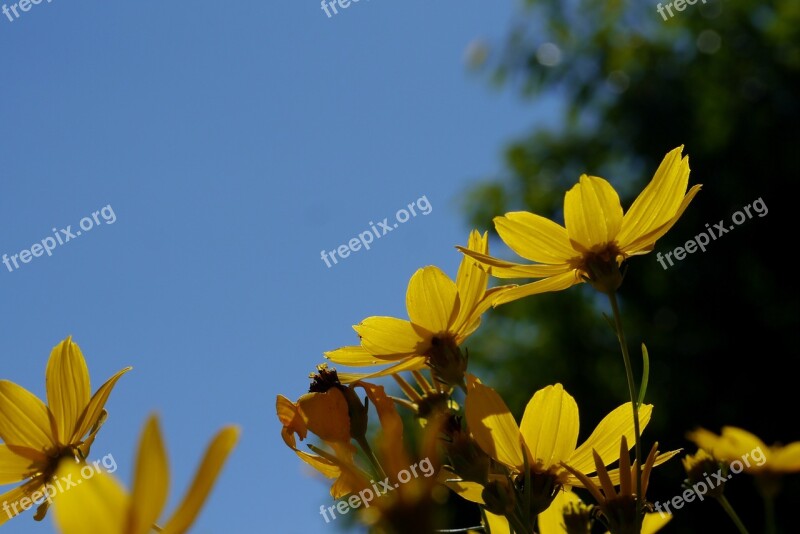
x=46, y=442
x=521, y=476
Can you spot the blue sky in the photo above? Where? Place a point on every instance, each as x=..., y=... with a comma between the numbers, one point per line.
x=233, y=143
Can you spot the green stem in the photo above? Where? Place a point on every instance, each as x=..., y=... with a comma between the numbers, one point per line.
x=364, y=444
x=623, y=344
x=723, y=501
x=769, y=511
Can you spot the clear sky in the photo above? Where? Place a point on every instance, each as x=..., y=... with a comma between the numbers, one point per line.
x=232, y=141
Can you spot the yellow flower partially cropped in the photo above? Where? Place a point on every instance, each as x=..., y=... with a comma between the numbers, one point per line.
x=442, y=315
x=548, y=433
x=596, y=237
x=100, y=505
x=754, y=456
x=36, y=437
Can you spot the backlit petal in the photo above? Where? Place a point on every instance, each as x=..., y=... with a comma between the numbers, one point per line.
x=432, y=300
x=355, y=356
x=659, y=200
x=534, y=237
x=471, y=281
x=388, y=337
x=96, y=506
x=326, y=414
x=550, y=426
x=782, y=460
x=592, y=212
x=68, y=387
x=12, y=498
x=498, y=524
x=506, y=269
x=654, y=522
x=551, y=521
x=606, y=437
x=151, y=479
x=13, y=467
x=24, y=419
x=95, y=407
x=554, y=283
x=213, y=461
x=492, y=425
x=645, y=243
x=408, y=364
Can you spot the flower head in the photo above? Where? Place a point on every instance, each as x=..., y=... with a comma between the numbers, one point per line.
x=748, y=451
x=442, y=315
x=100, y=505
x=596, y=237
x=36, y=437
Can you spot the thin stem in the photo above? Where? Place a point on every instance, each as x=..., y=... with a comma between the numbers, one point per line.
x=364, y=444
x=769, y=511
x=623, y=344
x=723, y=501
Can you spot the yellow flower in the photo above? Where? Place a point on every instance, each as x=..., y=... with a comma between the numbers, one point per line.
x=100, y=505
x=751, y=454
x=442, y=315
x=596, y=238
x=548, y=433
x=36, y=437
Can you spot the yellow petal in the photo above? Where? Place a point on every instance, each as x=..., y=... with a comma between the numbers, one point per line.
x=291, y=418
x=733, y=444
x=68, y=387
x=471, y=281
x=326, y=414
x=471, y=491
x=473, y=321
x=782, y=460
x=408, y=364
x=659, y=200
x=554, y=283
x=98, y=505
x=388, y=337
x=151, y=479
x=654, y=522
x=592, y=212
x=24, y=419
x=498, y=524
x=492, y=425
x=94, y=409
x=550, y=426
x=432, y=300
x=13, y=467
x=506, y=269
x=551, y=521
x=534, y=237
x=606, y=437
x=645, y=243
x=355, y=356
x=11, y=499
x=213, y=461
x=613, y=474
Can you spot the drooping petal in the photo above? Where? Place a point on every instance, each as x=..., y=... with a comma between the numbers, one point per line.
x=551, y=521
x=15, y=468
x=96, y=506
x=354, y=356
x=94, y=409
x=151, y=479
x=10, y=500
x=413, y=363
x=213, y=461
x=550, y=426
x=291, y=418
x=506, y=269
x=432, y=300
x=389, y=337
x=605, y=438
x=492, y=425
x=592, y=212
x=326, y=414
x=471, y=491
x=534, y=237
x=24, y=419
x=659, y=200
x=68, y=387
x=554, y=283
